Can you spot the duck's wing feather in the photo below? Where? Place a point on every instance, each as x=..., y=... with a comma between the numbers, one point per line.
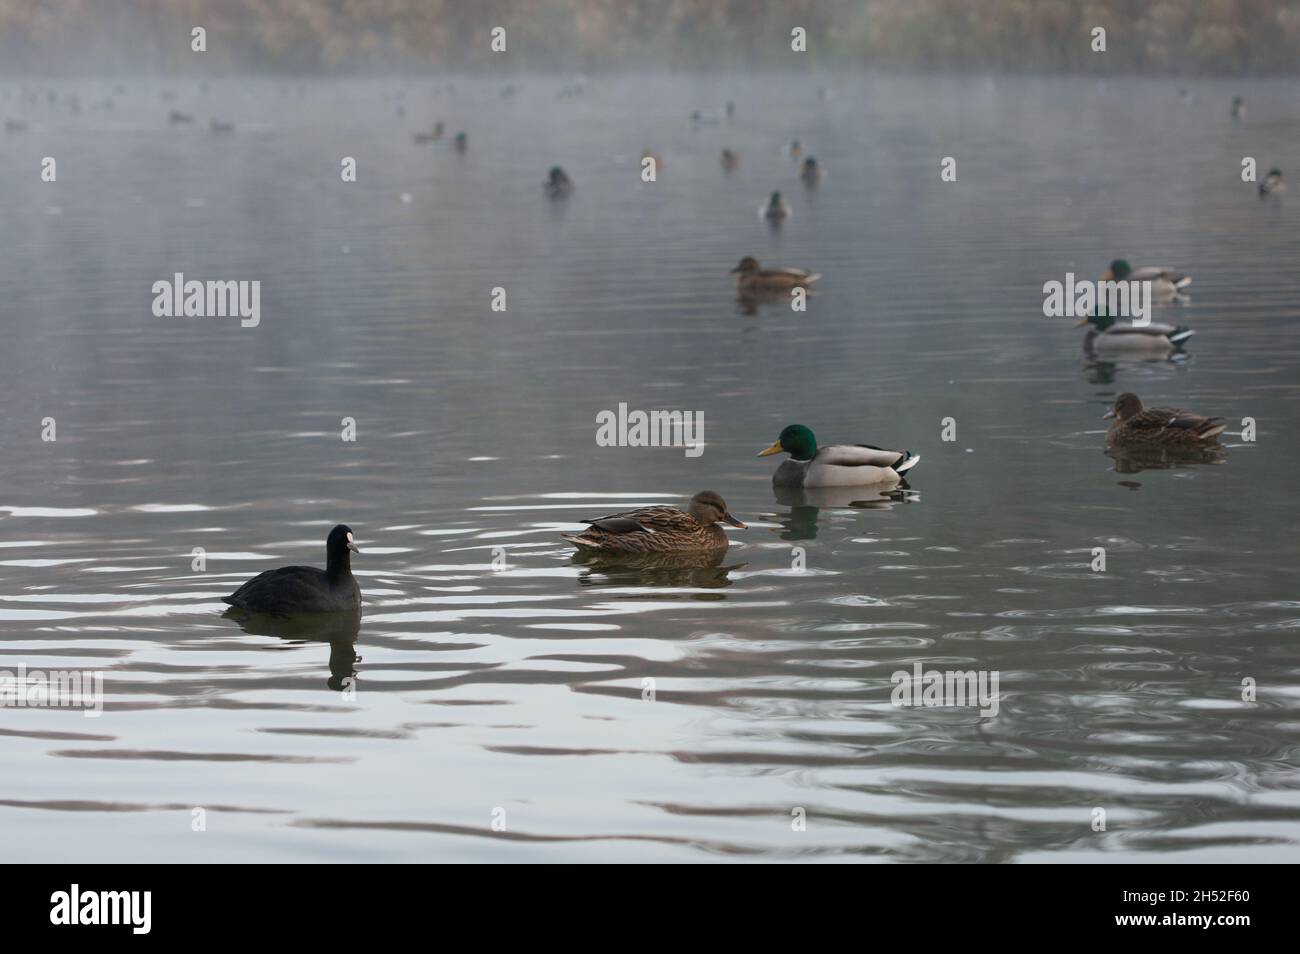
x=798, y=274
x=1150, y=273
x=859, y=455
x=646, y=520
x=1162, y=418
x=302, y=586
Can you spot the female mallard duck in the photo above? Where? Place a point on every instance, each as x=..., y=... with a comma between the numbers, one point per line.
x=810, y=172
x=1272, y=184
x=1165, y=282
x=753, y=280
x=652, y=530
x=1105, y=338
x=776, y=209
x=1135, y=425
x=835, y=465
x=557, y=183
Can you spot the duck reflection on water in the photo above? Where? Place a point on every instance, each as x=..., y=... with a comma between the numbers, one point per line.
x=807, y=503
x=704, y=570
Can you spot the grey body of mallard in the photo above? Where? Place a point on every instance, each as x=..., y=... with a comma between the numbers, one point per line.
x=846, y=465
x=1166, y=283
x=1152, y=340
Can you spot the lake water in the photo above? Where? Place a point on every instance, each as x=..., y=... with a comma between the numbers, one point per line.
x=516, y=696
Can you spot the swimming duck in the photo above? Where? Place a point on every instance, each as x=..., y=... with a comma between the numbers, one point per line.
x=432, y=136
x=751, y=279
x=1165, y=282
x=776, y=209
x=652, y=530
x=1272, y=184
x=810, y=172
x=305, y=589
x=1154, y=340
x=1238, y=109
x=835, y=465
x=557, y=183
x=1133, y=424
x=729, y=160
x=461, y=142
x=796, y=149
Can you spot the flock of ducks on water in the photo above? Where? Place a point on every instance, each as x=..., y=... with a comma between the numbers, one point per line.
x=658, y=531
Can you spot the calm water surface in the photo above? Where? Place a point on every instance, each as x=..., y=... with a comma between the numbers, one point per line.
x=520, y=690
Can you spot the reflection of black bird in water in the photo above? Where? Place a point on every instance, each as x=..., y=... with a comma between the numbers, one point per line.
x=340, y=630
x=806, y=504
x=700, y=569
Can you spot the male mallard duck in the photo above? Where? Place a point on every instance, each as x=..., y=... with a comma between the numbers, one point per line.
x=753, y=280
x=1165, y=282
x=461, y=142
x=776, y=209
x=810, y=172
x=729, y=160
x=1272, y=184
x=1154, y=340
x=1134, y=424
x=557, y=182
x=652, y=530
x=835, y=465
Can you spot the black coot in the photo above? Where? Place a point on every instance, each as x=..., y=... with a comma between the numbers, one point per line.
x=305, y=589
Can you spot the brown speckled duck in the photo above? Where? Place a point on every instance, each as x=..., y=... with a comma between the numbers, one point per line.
x=1167, y=427
x=651, y=530
x=753, y=279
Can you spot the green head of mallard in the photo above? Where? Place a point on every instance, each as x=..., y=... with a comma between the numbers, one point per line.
x=708, y=508
x=1118, y=271
x=775, y=202
x=797, y=441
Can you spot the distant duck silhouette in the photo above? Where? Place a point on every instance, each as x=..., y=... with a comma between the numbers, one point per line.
x=1272, y=184
x=1165, y=282
x=461, y=142
x=1134, y=424
x=219, y=126
x=176, y=116
x=14, y=125
x=1238, y=109
x=776, y=209
x=305, y=589
x=810, y=172
x=432, y=135
x=796, y=149
x=730, y=160
x=557, y=183
x=752, y=279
